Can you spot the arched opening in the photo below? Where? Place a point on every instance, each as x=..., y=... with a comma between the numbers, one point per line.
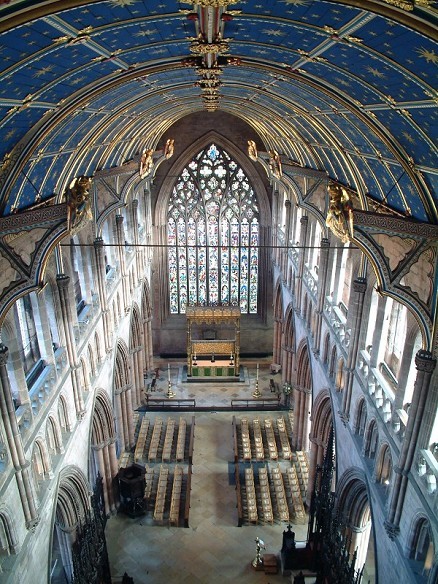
x=71, y=506
x=213, y=234
x=302, y=399
x=103, y=458
x=422, y=549
x=354, y=509
x=123, y=399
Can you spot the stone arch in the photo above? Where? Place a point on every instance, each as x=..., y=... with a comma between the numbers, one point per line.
x=91, y=361
x=302, y=398
x=371, y=439
x=103, y=457
x=136, y=350
x=333, y=361
x=278, y=324
x=322, y=424
x=360, y=418
x=63, y=416
x=41, y=463
x=288, y=345
x=8, y=535
x=421, y=548
x=146, y=313
x=53, y=435
x=122, y=387
x=84, y=375
x=326, y=349
x=339, y=381
x=97, y=347
x=355, y=510
x=72, y=504
x=384, y=465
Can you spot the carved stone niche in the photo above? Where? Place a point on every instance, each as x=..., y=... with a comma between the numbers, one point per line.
x=132, y=483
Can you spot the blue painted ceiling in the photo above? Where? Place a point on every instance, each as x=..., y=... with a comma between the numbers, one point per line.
x=348, y=87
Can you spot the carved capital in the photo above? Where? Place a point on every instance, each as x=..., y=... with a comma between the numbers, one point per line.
x=62, y=280
x=360, y=285
x=391, y=529
x=425, y=361
x=4, y=352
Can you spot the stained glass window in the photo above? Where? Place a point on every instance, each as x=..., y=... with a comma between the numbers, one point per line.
x=213, y=235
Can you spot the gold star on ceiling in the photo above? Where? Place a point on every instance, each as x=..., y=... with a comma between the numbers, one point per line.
x=430, y=56
x=296, y=2
x=122, y=3
x=376, y=72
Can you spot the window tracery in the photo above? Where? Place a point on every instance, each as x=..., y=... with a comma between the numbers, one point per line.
x=213, y=235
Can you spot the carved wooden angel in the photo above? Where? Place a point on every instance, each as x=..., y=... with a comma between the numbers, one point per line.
x=146, y=163
x=275, y=163
x=252, y=150
x=340, y=212
x=79, y=202
x=169, y=148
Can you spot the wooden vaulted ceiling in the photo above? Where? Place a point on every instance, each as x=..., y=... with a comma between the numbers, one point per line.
x=344, y=87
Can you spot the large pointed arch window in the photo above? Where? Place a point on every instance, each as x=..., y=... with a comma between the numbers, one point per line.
x=213, y=235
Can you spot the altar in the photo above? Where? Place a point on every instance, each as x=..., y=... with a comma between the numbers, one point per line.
x=219, y=368
x=213, y=342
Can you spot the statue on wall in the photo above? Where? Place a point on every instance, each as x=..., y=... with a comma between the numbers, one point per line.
x=79, y=203
x=252, y=150
x=169, y=148
x=275, y=163
x=146, y=162
x=340, y=212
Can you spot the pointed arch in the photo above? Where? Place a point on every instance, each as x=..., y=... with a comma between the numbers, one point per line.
x=302, y=398
x=72, y=504
x=371, y=439
x=122, y=387
x=355, y=509
x=9, y=544
x=146, y=313
x=421, y=548
x=103, y=458
x=322, y=423
x=278, y=324
x=360, y=418
x=136, y=350
x=213, y=234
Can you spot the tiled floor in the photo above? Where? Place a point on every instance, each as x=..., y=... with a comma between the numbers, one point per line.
x=212, y=549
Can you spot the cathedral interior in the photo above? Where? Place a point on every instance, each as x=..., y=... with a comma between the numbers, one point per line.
x=218, y=291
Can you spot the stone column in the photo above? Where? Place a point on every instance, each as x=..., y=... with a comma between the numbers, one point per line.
x=274, y=225
x=405, y=365
x=67, y=317
x=288, y=206
x=301, y=257
x=101, y=284
x=322, y=292
x=377, y=335
x=122, y=261
x=355, y=313
x=306, y=420
x=425, y=363
x=138, y=270
x=21, y=465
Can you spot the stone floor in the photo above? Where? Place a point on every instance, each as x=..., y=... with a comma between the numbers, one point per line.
x=212, y=549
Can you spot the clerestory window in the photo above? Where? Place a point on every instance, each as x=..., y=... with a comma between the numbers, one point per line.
x=213, y=235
